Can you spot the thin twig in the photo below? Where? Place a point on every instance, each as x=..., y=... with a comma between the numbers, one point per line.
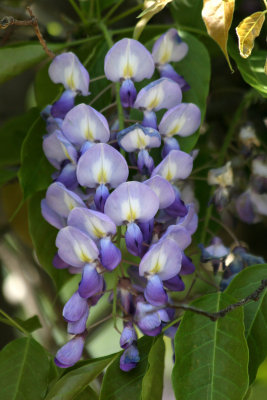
x=220, y=314
x=108, y=107
x=100, y=94
x=225, y=227
x=97, y=78
x=100, y=322
x=9, y=21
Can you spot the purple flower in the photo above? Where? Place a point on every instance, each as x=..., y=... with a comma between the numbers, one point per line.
x=138, y=137
x=190, y=220
x=163, y=259
x=58, y=203
x=128, y=59
x=179, y=235
x=75, y=247
x=149, y=319
x=176, y=165
x=129, y=358
x=131, y=201
x=63, y=105
x=83, y=123
x=154, y=292
x=163, y=189
x=102, y=164
x=68, y=70
x=79, y=326
x=70, y=353
x=162, y=93
x=58, y=149
x=128, y=336
x=182, y=120
x=169, y=47
x=75, y=308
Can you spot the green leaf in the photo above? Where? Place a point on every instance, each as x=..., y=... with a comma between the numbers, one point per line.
x=43, y=237
x=24, y=367
x=29, y=325
x=118, y=385
x=252, y=68
x=187, y=14
x=152, y=385
x=75, y=381
x=12, y=134
x=211, y=357
x=255, y=313
x=35, y=172
x=87, y=394
x=44, y=89
x=196, y=70
x=18, y=57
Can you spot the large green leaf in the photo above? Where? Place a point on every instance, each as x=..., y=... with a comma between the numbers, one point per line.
x=24, y=368
x=255, y=313
x=118, y=385
x=152, y=385
x=211, y=357
x=187, y=14
x=12, y=134
x=196, y=70
x=43, y=237
x=18, y=57
x=35, y=172
x=74, y=382
x=87, y=394
x=252, y=68
x=7, y=174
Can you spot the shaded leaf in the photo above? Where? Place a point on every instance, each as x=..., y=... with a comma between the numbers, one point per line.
x=29, y=325
x=247, y=31
x=152, y=385
x=24, y=368
x=87, y=394
x=265, y=66
x=118, y=385
x=12, y=134
x=255, y=313
x=187, y=13
x=35, y=172
x=196, y=70
x=252, y=69
x=18, y=57
x=75, y=381
x=211, y=357
x=43, y=237
x=44, y=89
x=217, y=16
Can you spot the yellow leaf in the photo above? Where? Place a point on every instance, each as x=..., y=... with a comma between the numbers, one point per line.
x=151, y=7
x=217, y=16
x=247, y=31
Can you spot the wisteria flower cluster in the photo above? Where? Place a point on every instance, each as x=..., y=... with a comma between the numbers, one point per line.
x=110, y=202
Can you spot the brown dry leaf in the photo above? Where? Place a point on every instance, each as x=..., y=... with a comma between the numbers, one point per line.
x=247, y=31
x=217, y=16
x=151, y=7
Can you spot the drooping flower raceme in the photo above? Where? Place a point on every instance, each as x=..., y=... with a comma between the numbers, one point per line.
x=101, y=214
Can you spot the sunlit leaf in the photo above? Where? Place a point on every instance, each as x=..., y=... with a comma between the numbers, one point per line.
x=251, y=69
x=247, y=31
x=217, y=16
x=151, y=7
x=265, y=66
x=211, y=357
x=24, y=368
x=255, y=313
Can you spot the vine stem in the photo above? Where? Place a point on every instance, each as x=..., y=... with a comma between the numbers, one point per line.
x=14, y=323
x=219, y=314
